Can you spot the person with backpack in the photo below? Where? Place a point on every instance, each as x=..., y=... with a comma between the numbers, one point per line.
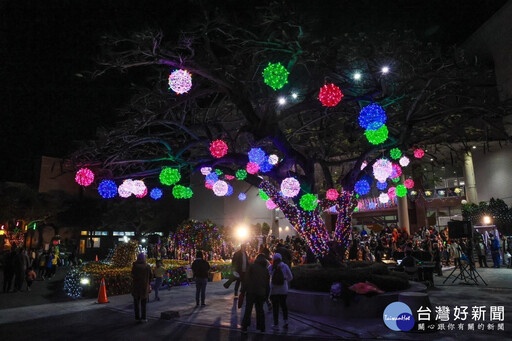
x=280, y=277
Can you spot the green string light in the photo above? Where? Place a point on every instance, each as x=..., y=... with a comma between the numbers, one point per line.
x=263, y=195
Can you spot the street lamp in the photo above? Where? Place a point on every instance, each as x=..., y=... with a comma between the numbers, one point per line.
x=486, y=220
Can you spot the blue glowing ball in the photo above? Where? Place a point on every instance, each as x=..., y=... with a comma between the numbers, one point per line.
x=372, y=117
x=382, y=185
x=257, y=155
x=107, y=189
x=230, y=191
x=212, y=177
x=368, y=179
x=265, y=167
x=362, y=187
x=156, y=193
x=242, y=196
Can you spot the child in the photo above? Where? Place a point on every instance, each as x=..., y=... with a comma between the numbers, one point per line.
x=30, y=277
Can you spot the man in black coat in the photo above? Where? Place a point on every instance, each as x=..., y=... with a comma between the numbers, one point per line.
x=200, y=267
x=240, y=264
x=256, y=287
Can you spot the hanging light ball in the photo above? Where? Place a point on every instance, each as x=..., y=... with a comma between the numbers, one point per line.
x=143, y=194
x=368, y=179
x=84, y=177
x=138, y=187
x=212, y=177
x=263, y=195
x=395, y=180
x=229, y=177
x=220, y=188
x=242, y=196
x=257, y=155
x=178, y=191
x=241, y=174
x=218, y=148
x=275, y=75
x=395, y=153
x=206, y=170
x=180, y=81
x=169, y=176
x=265, y=167
x=409, y=183
x=230, y=190
x=218, y=172
x=383, y=198
x=372, y=117
x=270, y=204
x=382, y=185
x=397, y=171
x=124, y=190
x=362, y=187
x=273, y=159
x=252, y=168
x=330, y=95
x=418, y=153
x=382, y=169
x=107, y=189
x=290, y=187
x=392, y=192
x=209, y=184
x=401, y=191
x=404, y=161
x=332, y=194
x=156, y=193
x=308, y=202
x=377, y=136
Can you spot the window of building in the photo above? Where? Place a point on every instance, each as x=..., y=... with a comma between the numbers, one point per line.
x=117, y=233
x=83, y=233
x=101, y=233
x=129, y=233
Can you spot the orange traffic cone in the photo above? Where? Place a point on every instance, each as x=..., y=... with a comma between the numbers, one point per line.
x=96, y=258
x=102, y=295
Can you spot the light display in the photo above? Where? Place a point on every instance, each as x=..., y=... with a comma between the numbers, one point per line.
x=139, y=187
x=362, y=187
x=257, y=155
x=242, y=196
x=229, y=177
x=156, y=193
x=265, y=167
x=363, y=165
x=263, y=195
x=382, y=185
x=273, y=159
x=169, y=176
x=372, y=117
x=206, y=170
x=404, y=161
x=395, y=153
x=330, y=95
x=218, y=171
x=252, y=168
x=270, y=204
x=409, y=183
x=428, y=193
x=395, y=180
x=241, y=174
x=275, y=75
x=143, y=194
x=397, y=171
x=377, y=136
x=212, y=177
x=230, y=190
x=209, y=184
x=332, y=194
x=124, y=190
x=383, y=198
x=418, y=153
x=218, y=148
x=392, y=192
x=84, y=177
x=368, y=179
x=400, y=191
x=180, y=81
x=182, y=192
x=308, y=202
x=456, y=190
x=107, y=189
x=220, y=188
x=290, y=187
x=382, y=169
x=346, y=205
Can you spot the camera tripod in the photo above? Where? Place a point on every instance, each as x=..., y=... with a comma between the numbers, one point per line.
x=467, y=273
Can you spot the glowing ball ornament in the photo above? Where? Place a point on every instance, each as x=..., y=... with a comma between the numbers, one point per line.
x=257, y=155
x=392, y=192
x=265, y=167
x=368, y=179
x=252, y=168
x=84, y=177
x=209, y=184
x=220, y=188
x=218, y=172
x=213, y=177
x=377, y=136
x=263, y=195
x=229, y=177
x=290, y=187
x=107, y=189
x=242, y=196
x=395, y=153
x=382, y=169
x=330, y=95
x=372, y=117
x=230, y=190
x=124, y=191
x=332, y=194
x=400, y=191
x=206, y=170
x=156, y=193
x=180, y=81
x=143, y=194
x=179, y=192
x=241, y=174
x=419, y=153
x=275, y=75
x=409, y=183
x=273, y=159
x=382, y=185
x=395, y=180
x=383, y=198
x=308, y=202
x=270, y=204
x=404, y=161
x=169, y=176
x=362, y=187
x=397, y=171
x=139, y=187
x=218, y=148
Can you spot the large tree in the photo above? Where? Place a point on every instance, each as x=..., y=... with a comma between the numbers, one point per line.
x=432, y=95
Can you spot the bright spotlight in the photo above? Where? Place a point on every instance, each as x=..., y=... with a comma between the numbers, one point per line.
x=143, y=240
x=487, y=220
x=474, y=147
x=294, y=95
x=242, y=232
x=84, y=281
x=281, y=101
x=385, y=69
x=125, y=238
x=357, y=76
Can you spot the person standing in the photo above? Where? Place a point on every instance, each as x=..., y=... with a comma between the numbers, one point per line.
x=481, y=252
x=495, y=251
x=141, y=279
x=159, y=277
x=20, y=268
x=31, y=276
x=240, y=264
x=256, y=287
x=436, y=256
x=200, y=268
x=8, y=268
x=281, y=276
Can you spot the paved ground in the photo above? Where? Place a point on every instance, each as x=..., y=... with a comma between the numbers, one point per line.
x=219, y=320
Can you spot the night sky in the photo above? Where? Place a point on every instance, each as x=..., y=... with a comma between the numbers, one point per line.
x=47, y=48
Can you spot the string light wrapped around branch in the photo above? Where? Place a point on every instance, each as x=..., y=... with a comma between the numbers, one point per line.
x=84, y=177
x=275, y=75
x=330, y=95
x=180, y=81
x=218, y=148
x=372, y=117
x=290, y=187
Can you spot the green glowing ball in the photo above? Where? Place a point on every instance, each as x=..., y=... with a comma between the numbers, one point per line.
x=241, y=174
x=263, y=195
x=182, y=192
x=218, y=172
x=377, y=136
x=308, y=202
x=401, y=191
x=395, y=153
x=275, y=75
x=395, y=180
x=169, y=176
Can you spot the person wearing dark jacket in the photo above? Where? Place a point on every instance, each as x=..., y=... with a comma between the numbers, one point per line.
x=240, y=265
x=256, y=287
x=141, y=278
x=200, y=267
x=8, y=268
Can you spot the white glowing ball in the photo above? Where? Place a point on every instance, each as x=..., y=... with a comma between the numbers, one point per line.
x=273, y=159
x=180, y=81
x=206, y=170
x=139, y=187
x=383, y=198
x=404, y=161
x=290, y=187
x=124, y=190
x=382, y=169
x=220, y=188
